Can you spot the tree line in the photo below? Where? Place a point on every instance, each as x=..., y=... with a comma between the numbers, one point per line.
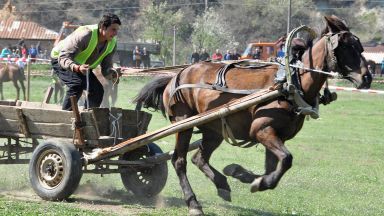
x=223, y=25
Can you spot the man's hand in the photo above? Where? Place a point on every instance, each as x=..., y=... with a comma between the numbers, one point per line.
x=81, y=68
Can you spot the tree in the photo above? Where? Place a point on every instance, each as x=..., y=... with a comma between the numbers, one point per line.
x=211, y=32
x=158, y=27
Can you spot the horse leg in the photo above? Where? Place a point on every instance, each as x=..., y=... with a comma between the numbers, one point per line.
x=246, y=176
x=1, y=90
x=17, y=89
x=179, y=162
x=278, y=162
x=201, y=159
x=22, y=88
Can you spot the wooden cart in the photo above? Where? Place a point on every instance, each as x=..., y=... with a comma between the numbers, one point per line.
x=44, y=136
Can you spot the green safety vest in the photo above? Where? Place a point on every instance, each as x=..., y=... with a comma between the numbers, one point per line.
x=83, y=56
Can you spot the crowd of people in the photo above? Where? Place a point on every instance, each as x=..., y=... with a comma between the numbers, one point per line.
x=203, y=55
x=20, y=50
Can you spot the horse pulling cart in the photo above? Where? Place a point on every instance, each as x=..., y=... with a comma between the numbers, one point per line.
x=103, y=141
x=66, y=144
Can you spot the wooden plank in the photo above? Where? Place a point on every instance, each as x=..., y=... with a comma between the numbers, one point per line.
x=8, y=103
x=9, y=126
x=135, y=123
x=59, y=130
x=8, y=112
x=47, y=116
x=39, y=105
x=101, y=117
x=48, y=95
x=79, y=134
x=50, y=129
x=23, y=127
x=143, y=124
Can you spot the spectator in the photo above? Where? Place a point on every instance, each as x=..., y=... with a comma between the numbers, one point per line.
x=228, y=55
x=217, y=56
x=382, y=68
x=38, y=47
x=45, y=54
x=257, y=53
x=24, y=51
x=195, y=57
x=146, y=58
x=5, y=52
x=33, y=53
x=204, y=55
x=280, y=53
x=21, y=43
x=137, y=57
x=15, y=53
x=235, y=55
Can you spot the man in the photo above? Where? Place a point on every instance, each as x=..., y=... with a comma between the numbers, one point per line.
x=146, y=58
x=235, y=55
x=228, y=55
x=79, y=53
x=195, y=57
x=217, y=56
x=204, y=55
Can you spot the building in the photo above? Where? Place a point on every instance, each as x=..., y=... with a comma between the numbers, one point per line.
x=12, y=30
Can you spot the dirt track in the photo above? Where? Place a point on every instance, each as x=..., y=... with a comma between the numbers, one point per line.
x=107, y=201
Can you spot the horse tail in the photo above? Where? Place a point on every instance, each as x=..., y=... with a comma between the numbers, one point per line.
x=151, y=95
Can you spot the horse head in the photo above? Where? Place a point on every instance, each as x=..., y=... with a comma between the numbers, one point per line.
x=344, y=52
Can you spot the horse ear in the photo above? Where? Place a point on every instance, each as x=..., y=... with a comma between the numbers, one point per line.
x=335, y=24
x=332, y=28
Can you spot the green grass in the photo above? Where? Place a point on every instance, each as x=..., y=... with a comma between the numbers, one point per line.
x=337, y=170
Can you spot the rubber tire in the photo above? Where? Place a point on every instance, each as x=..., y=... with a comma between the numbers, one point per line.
x=144, y=181
x=72, y=170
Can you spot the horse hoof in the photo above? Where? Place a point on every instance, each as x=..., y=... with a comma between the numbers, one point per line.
x=195, y=212
x=255, y=186
x=231, y=169
x=224, y=194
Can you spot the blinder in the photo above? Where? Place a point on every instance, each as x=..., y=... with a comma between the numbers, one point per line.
x=354, y=41
x=334, y=41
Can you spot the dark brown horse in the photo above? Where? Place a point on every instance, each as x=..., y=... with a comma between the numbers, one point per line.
x=270, y=123
x=12, y=72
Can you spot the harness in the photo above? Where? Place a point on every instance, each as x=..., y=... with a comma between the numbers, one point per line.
x=291, y=85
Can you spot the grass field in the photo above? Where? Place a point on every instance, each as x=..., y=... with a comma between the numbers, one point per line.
x=337, y=170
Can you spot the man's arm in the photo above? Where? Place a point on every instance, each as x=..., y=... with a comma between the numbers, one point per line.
x=107, y=64
x=72, y=45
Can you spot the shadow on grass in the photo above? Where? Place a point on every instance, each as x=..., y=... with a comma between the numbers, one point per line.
x=115, y=197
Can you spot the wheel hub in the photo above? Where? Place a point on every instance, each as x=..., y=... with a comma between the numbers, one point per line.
x=51, y=170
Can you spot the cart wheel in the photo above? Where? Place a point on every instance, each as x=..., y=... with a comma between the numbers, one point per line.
x=144, y=181
x=55, y=170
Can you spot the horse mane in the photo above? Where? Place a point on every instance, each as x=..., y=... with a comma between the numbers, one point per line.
x=335, y=24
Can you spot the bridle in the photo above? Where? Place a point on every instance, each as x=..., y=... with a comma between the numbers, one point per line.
x=332, y=41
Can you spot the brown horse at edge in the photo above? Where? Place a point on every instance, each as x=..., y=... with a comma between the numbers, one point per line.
x=12, y=72
x=270, y=123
